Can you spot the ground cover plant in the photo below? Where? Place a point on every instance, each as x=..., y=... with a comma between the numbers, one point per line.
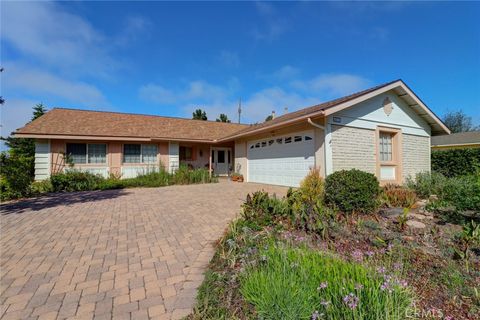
x=300, y=257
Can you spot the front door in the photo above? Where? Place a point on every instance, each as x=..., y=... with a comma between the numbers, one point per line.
x=221, y=160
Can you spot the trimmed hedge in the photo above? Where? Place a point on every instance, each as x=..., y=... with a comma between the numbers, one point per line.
x=456, y=162
x=352, y=191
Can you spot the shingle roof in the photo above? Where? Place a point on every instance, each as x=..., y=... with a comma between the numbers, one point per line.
x=309, y=110
x=75, y=122
x=472, y=137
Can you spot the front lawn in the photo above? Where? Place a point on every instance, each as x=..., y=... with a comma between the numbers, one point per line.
x=299, y=258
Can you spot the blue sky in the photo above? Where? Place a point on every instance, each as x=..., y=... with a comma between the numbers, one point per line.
x=170, y=58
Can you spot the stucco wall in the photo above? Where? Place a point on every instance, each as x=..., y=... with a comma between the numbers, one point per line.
x=114, y=161
x=353, y=148
x=415, y=155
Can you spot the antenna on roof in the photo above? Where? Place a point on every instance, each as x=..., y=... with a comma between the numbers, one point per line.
x=239, y=108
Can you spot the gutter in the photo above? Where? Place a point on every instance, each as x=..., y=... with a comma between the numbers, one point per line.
x=282, y=123
x=309, y=120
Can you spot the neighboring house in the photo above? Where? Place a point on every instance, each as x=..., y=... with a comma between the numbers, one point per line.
x=459, y=140
x=384, y=130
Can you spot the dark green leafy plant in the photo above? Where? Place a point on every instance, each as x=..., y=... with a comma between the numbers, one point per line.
x=74, y=180
x=352, y=191
x=456, y=162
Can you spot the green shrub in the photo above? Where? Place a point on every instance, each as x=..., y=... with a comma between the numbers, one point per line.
x=263, y=209
x=74, y=180
x=15, y=176
x=152, y=179
x=427, y=183
x=456, y=162
x=292, y=283
x=41, y=187
x=352, y=191
x=462, y=192
x=185, y=175
x=397, y=196
x=312, y=186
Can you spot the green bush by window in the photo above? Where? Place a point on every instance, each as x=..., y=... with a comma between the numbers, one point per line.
x=352, y=191
x=456, y=162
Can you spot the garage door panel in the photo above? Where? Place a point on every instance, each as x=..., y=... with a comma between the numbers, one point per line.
x=281, y=163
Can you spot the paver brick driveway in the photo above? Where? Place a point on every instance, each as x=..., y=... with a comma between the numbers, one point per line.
x=136, y=253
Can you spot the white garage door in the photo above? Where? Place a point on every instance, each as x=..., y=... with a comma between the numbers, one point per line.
x=283, y=160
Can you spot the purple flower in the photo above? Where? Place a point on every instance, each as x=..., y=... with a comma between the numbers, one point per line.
x=370, y=253
x=357, y=255
x=325, y=303
x=351, y=300
x=323, y=285
x=316, y=315
x=397, y=266
x=381, y=270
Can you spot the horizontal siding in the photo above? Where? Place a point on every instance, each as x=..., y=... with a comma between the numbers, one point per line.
x=42, y=160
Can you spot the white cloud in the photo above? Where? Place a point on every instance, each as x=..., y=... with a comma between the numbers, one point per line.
x=44, y=31
x=14, y=114
x=331, y=85
x=34, y=81
x=273, y=24
x=157, y=94
x=135, y=27
x=257, y=106
x=229, y=58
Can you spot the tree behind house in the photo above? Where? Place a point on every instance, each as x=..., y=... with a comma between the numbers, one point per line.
x=223, y=118
x=199, y=114
x=17, y=164
x=458, y=121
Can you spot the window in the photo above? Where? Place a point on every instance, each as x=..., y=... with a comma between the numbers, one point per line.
x=97, y=153
x=297, y=139
x=132, y=153
x=308, y=138
x=139, y=153
x=385, y=147
x=257, y=145
x=270, y=142
x=149, y=153
x=186, y=153
x=280, y=140
x=221, y=156
x=288, y=140
x=264, y=144
x=79, y=153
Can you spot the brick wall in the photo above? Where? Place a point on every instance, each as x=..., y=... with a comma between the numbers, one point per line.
x=353, y=148
x=415, y=154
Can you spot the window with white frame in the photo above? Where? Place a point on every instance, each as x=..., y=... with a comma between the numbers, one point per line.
x=139, y=153
x=79, y=153
x=386, y=143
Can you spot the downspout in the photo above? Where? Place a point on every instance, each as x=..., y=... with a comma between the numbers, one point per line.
x=309, y=120
x=315, y=124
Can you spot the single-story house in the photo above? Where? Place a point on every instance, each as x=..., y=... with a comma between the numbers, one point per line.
x=384, y=130
x=459, y=140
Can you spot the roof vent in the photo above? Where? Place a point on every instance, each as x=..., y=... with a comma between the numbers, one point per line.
x=273, y=114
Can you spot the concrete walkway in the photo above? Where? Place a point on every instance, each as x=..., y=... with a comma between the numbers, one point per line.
x=118, y=254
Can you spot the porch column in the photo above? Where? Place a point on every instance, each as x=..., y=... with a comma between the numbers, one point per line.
x=210, y=162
